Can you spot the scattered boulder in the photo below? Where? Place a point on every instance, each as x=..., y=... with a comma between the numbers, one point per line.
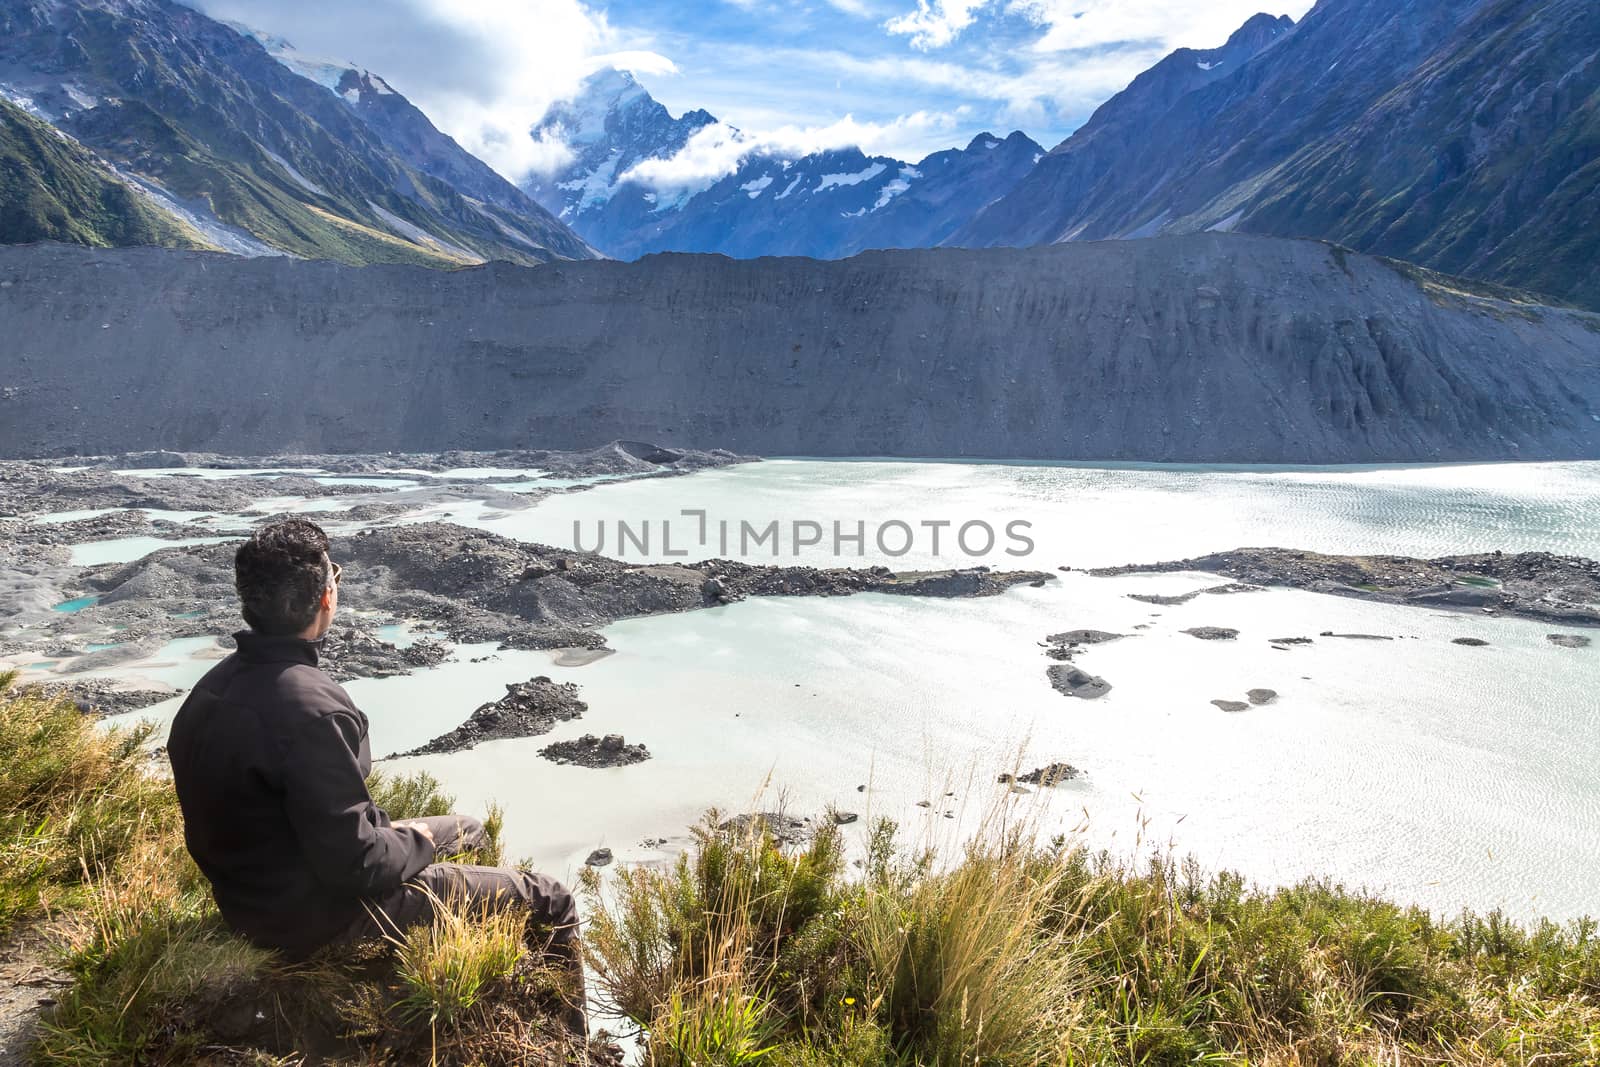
x=1212, y=633
x=612, y=750
x=1357, y=637
x=844, y=818
x=1232, y=705
x=1067, y=644
x=600, y=857
x=1470, y=642
x=784, y=829
x=1261, y=697
x=1568, y=640
x=1083, y=637
x=1050, y=774
x=1164, y=601
x=1074, y=682
x=1286, y=641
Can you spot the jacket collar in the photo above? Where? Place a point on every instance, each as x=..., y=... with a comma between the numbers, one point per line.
x=262, y=648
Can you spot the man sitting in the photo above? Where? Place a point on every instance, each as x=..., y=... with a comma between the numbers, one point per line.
x=270, y=758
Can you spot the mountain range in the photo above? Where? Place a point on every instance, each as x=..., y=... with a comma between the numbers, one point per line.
x=827, y=204
x=237, y=151
x=1463, y=135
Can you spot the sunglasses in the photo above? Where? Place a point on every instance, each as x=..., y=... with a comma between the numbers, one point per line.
x=337, y=571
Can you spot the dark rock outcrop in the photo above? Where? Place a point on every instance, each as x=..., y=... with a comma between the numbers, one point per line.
x=1048, y=775
x=1083, y=637
x=1212, y=633
x=100, y=696
x=612, y=750
x=528, y=709
x=1075, y=682
x=1531, y=585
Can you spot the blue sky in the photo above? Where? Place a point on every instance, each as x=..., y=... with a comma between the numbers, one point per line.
x=901, y=77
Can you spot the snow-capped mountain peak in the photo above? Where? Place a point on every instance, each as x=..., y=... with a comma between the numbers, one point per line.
x=324, y=71
x=639, y=180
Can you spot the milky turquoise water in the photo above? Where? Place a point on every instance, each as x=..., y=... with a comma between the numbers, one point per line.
x=1445, y=775
x=1093, y=516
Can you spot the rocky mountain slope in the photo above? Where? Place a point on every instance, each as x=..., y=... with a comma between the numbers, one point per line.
x=54, y=190
x=1460, y=134
x=1206, y=347
x=827, y=204
x=412, y=136
x=253, y=156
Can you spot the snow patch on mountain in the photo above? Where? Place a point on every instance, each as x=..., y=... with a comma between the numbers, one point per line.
x=756, y=187
x=593, y=188
x=417, y=234
x=831, y=181
x=24, y=101
x=320, y=69
x=299, y=179
x=605, y=94
x=198, y=217
x=897, y=186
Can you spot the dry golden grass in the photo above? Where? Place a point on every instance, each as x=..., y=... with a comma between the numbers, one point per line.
x=1012, y=952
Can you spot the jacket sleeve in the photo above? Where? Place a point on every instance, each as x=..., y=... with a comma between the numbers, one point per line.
x=341, y=830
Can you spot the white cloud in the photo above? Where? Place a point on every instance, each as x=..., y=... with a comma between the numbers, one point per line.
x=635, y=60
x=1074, y=24
x=935, y=24
x=710, y=153
x=483, y=71
x=716, y=151
x=538, y=51
x=1027, y=95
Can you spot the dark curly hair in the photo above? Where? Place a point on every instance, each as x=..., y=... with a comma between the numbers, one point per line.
x=280, y=574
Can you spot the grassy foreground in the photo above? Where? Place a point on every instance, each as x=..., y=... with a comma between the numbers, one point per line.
x=1015, y=952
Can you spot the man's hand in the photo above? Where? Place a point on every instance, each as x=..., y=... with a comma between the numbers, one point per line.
x=419, y=826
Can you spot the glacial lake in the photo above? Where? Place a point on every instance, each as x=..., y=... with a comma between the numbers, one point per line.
x=1444, y=775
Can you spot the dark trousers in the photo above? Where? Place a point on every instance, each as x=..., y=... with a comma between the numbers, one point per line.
x=480, y=891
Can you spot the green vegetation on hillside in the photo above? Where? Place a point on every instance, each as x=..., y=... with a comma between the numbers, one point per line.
x=745, y=952
x=54, y=190
x=244, y=188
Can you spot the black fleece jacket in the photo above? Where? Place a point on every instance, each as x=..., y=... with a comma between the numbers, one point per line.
x=270, y=758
